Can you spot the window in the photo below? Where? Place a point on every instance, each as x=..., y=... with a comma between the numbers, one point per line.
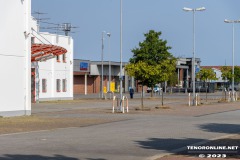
x=64, y=58
x=58, y=85
x=58, y=58
x=64, y=85
x=44, y=85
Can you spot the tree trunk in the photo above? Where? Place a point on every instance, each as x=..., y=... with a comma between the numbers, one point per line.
x=152, y=92
x=142, y=98
x=162, y=97
x=206, y=90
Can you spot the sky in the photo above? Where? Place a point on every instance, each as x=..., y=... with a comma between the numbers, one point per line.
x=213, y=37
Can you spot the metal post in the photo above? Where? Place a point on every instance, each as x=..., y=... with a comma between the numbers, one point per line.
x=233, y=61
x=178, y=77
x=193, y=60
x=102, y=66
x=109, y=77
x=85, y=81
x=233, y=48
x=121, y=49
x=109, y=70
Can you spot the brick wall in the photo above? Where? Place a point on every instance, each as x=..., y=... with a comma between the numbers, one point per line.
x=78, y=84
x=93, y=83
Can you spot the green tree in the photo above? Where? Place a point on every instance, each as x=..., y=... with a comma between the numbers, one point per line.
x=151, y=62
x=206, y=74
x=227, y=73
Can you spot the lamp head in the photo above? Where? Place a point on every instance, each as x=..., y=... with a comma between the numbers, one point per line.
x=200, y=9
x=108, y=34
x=187, y=9
x=226, y=21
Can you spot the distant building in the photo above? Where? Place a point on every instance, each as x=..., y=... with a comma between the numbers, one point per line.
x=87, y=77
x=184, y=71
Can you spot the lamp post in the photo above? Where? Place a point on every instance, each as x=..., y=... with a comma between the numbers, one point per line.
x=121, y=78
x=233, y=48
x=193, y=59
x=109, y=71
x=102, y=64
x=103, y=32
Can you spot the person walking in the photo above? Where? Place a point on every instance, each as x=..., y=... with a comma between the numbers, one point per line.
x=131, y=91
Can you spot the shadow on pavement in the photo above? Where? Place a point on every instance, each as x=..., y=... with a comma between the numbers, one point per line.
x=36, y=157
x=173, y=145
x=180, y=146
x=221, y=128
x=167, y=144
x=95, y=159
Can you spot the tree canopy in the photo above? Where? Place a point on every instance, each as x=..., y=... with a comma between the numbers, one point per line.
x=206, y=74
x=227, y=73
x=151, y=63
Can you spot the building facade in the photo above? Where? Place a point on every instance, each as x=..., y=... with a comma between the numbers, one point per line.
x=52, y=78
x=184, y=71
x=88, y=75
x=15, y=54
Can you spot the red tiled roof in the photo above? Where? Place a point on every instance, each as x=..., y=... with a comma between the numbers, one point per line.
x=216, y=67
x=39, y=51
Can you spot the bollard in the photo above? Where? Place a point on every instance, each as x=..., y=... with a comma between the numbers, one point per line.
x=114, y=97
x=236, y=96
x=123, y=104
x=196, y=99
x=234, y=93
x=127, y=104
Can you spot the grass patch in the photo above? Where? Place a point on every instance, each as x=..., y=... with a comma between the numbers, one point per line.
x=162, y=107
x=35, y=123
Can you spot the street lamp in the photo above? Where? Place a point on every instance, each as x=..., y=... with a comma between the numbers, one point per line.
x=109, y=71
x=193, y=59
x=121, y=78
x=233, y=46
x=102, y=64
x=103, y=32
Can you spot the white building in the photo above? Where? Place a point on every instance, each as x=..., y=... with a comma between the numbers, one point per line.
x=15, y=55
x=54, y=76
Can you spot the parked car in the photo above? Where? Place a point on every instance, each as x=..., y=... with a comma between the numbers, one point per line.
x=149, y=90
x=155, y=89
x=236, y=88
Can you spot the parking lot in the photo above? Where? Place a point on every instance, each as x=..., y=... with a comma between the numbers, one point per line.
x=86, y=129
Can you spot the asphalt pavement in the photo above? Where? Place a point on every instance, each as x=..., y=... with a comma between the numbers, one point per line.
x=136, y=137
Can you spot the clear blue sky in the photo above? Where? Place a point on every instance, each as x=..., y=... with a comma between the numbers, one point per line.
x=213, y=36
